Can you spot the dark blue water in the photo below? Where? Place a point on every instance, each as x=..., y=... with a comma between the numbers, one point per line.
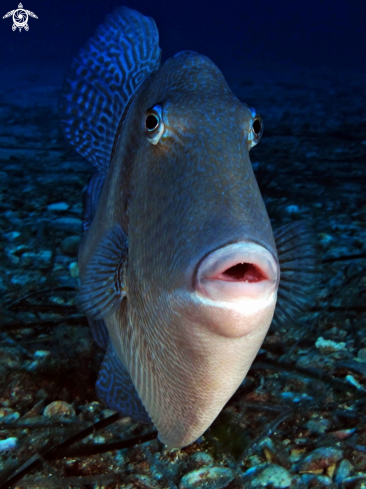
x=308, y=33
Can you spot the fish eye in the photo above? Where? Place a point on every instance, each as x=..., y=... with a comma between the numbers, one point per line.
x=257, y=127
x=256, y=130
x=151, y=122
x=154, y=126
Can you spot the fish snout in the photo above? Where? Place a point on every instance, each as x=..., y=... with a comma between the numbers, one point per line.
x=237, y=273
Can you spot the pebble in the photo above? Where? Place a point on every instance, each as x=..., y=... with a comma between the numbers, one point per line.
x=59, y=206
x=74, y=269
x=351, y=380
x=311, y=480
x=8, y=415
x=211, y=477
x=343, y=470
x=329, y=346
x=41, y=354
x=26, y=279
x=318, y=426
x=292, y=209
x=320, y=459
x=271, y=475
x=201, y=458
x=70, y=245
x=12, y=235
x=361, y=355
x=40, y=260
x=59, y=409
x=8, y=444
x=69, y=224
x=325, y=238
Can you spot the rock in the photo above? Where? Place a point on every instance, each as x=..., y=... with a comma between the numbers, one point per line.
x=329, y=346
x=28, y=278
x=74, y=269
x=41, y=354
x=361, y=355
x=70, y=245
x=318, y=425
x=8, y=415
x=342, y=471
x=68, y=224
x=12, y=235
x=212, y=477
x=201, y=459
x=312, y=480
x=292, y=210
x=320, y=459
x=8, y=444
x=59, y=206
x=40, y=260
x=271, y=475
x=59, y=409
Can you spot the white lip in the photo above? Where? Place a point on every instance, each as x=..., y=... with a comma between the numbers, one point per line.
x=213, y=283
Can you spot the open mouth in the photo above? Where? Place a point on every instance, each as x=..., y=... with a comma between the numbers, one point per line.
x=242, y=272
x=237, y=272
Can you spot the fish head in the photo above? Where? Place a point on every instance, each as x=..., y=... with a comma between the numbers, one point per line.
x=203, y=269
x=199, y=221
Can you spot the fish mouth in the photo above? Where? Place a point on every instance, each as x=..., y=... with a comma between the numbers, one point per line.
x=238, y=272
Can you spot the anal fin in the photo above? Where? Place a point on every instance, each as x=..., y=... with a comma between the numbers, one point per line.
x=114, y=387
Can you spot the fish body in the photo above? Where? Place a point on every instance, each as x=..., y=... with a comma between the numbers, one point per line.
x=179, y=265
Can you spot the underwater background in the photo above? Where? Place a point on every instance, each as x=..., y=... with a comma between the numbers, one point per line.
x=299, y=419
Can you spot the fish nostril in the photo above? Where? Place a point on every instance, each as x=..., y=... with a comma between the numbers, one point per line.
x=243, y=272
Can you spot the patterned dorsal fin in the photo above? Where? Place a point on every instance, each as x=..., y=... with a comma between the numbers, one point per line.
x=103, y=77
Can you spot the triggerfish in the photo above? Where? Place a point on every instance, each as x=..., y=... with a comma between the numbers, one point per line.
x=179, y=265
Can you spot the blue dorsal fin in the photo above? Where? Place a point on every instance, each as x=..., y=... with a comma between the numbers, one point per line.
x=105, y=74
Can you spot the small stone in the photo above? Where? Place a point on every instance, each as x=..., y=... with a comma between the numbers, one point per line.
x=59, y=409
x=201, y=458
x=212, y=477
x=271, y=475
x=319, y=459
x=41, y=354
x=68, y=224
x=40, y=260
x=59, y=206
x=318, y=426
x=325, y=238
x=313, y=480
x=292, y=209
x=8, y=444
x=70, y=245
x=12, y=235
x=8, y=415
x=74, y=269
x=361, y=355
x=343, y=470
x=329, y=346
x=351, y=380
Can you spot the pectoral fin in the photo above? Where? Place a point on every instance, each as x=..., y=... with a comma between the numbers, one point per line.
x=299, y=264
x=103, y=284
